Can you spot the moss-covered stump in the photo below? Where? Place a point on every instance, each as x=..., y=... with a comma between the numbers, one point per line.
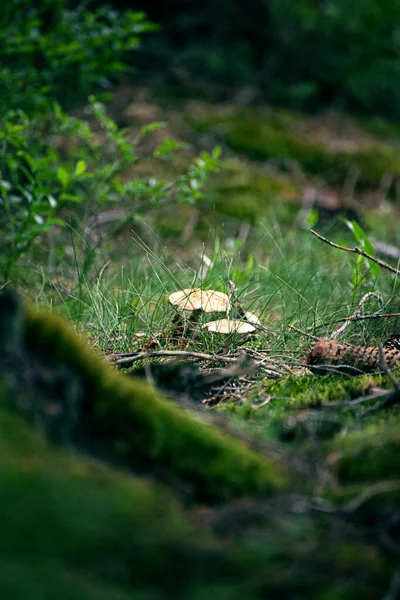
x=74, y=395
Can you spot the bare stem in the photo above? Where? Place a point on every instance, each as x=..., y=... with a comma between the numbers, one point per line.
x=359, y=251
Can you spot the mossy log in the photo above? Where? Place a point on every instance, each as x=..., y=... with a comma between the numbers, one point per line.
x=75, y=390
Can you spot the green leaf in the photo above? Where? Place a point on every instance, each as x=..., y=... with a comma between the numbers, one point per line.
x=152, y=127
x=216, y=152
x=80, y=167
x=63, y=177
x=71, y=197
x=365, y=245
x=313, y=217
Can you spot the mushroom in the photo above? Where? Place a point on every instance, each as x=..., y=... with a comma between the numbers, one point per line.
x=197, y=299
x=229, y=326
x=251, y=318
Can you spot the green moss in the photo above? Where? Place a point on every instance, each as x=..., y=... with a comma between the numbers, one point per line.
x=295, y=412
x=266, y=133
x=368, y=455
x=74, y=529
x=96, y=533
x=320, y=389
x=147, y=432
x=244, y=191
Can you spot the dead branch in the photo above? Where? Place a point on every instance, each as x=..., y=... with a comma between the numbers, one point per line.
x=383, y=487
x=363, y=317
x=127, y=361
x=385, y=249
x=378, y=393
x=359, y=251
x=356, y=313
x=394, y=587
x=384, y=366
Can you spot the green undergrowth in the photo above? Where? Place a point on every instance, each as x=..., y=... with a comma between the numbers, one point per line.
x=244, y=191
x=311, y=390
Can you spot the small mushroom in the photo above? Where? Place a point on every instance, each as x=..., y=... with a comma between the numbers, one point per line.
x=251, y=318
x=229, y=326
x=197, y=299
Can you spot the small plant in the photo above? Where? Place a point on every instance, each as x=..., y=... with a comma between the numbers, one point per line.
x=373, y=270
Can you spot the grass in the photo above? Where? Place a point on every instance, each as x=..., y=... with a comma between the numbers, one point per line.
x=285, y=278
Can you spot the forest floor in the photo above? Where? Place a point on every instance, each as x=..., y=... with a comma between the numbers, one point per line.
x=313, y=389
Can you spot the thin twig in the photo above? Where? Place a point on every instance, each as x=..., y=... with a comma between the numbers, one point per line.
x=385, y=368
x=394, y=587
x=128, y=360
x=312, y=337
x=356, y=401
x=356, y=313
x=362, y=318
x=357, y=251
x=383, y=487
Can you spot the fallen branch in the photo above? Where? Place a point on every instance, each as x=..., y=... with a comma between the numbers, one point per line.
x=394, y=587
x=129, y=359
x=362, y=318
x=356, y=313
x=385, y=368
x=359, y=251
x=383, y=487
x=379, y=393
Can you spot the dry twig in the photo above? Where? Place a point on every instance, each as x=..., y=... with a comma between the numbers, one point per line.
x=359, y=251
x=362, y=318
x=356, y=313
x=128, y=360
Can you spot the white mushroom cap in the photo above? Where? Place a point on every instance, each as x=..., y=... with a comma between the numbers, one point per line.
x=227, y=326
x=252, y=318
x=198, y=299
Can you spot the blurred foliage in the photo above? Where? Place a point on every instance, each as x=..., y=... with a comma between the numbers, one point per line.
x=50, y=58
x=49, y=51
x=40, y=180
x=303, y=53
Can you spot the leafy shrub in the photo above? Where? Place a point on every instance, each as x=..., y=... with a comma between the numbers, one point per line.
x=40, y=181
x=49, y=159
